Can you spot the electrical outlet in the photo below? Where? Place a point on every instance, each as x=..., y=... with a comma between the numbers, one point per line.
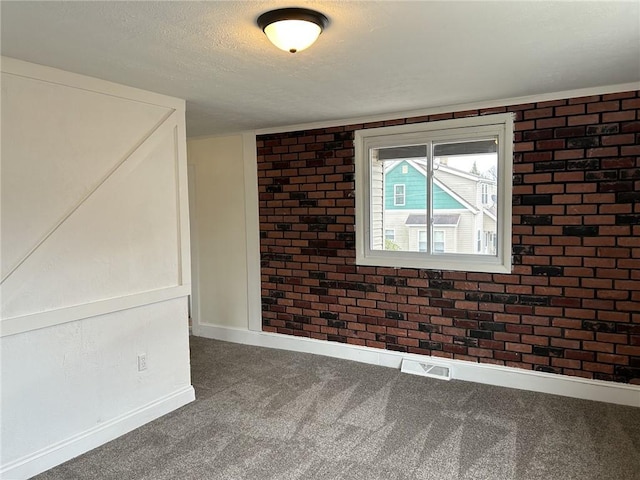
x=142, y=362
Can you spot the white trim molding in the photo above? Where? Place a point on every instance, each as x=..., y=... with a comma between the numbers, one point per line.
x=34, y=321
x=68, y=79
x=575, y=387
x=49, y=457
x=252, y=229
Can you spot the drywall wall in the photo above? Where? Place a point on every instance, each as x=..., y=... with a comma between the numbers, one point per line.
x=224, y=249
x=95, y=263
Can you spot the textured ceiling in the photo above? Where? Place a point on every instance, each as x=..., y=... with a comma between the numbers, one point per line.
x=375, y=57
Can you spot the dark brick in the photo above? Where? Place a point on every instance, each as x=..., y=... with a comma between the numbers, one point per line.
x=628, y=197
x=364, y=287
x=536, y=200
x=329, y=315
x=536, y=220
x=325, y=219
x=427, y=327
x=429, y=345
x=318, y=275
x=534, y=300
x=317, y=227
x=504, y=298
x=441, y=284
x=583, y=142
x=607, y=327
x=547, y=270
x=603, y=129
x=583, y=164
x=601, y=175
x=548, y=351
x=628, y=219
x=381, y=337
x=630, y=174
x=627, y=372
x=619, y=186
x=553, y=166
x=274, y=188
x=580, y=230
x=493, y=326
x=477, y=296
x=395, y=281
x=336, y=324
x=481, y=334
x=394, y=315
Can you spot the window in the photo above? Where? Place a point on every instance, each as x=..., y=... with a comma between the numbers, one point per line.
x=485, y=193
x=422, y=181
x=390, y=234
x=398, y=195
x=422, y=240
x=438, y=241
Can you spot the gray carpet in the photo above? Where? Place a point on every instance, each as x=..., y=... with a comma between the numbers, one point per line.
x=268, y=414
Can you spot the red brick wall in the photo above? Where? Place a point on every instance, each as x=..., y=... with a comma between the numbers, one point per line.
x=572, y=302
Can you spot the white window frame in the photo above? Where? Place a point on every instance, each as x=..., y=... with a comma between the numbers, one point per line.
x=395, y=195
x=500, y=125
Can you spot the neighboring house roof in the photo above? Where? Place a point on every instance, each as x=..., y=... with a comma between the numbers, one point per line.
x=492, y=212
x=449, y=220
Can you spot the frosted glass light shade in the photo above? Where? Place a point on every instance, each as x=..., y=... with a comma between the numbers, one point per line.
x=292, y=29
x=292, y=35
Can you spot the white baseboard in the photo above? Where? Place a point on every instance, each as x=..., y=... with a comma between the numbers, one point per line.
x=576, y=387
x=58, y=453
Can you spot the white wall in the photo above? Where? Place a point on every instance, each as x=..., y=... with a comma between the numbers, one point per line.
x=95, y=263
x=224, y=229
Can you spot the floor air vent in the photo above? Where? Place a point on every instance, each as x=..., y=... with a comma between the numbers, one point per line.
x=425, y=369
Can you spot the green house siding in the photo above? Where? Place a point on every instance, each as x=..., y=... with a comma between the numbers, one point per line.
x=415, y=191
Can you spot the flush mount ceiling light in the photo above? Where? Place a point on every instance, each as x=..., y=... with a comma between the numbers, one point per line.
x=292, y=29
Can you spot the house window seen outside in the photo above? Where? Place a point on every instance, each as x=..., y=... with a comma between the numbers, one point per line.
x=438, y=241
x=398, y=195
x=422, y=240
